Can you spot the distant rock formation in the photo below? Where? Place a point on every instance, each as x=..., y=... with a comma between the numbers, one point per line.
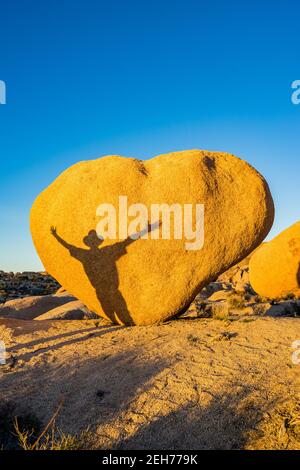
x=17, y=285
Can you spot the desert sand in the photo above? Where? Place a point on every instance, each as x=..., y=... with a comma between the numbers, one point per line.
x=189, y=383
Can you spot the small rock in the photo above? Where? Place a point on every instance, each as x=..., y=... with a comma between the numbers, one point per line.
x=218, y=310
x=101, y=394
x=210, y=289
x=219, y=295
x=261, y=308
x=74, y=310
x=284, y=309
x=29, y=308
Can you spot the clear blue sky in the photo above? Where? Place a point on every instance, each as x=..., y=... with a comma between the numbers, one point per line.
x=87, y=78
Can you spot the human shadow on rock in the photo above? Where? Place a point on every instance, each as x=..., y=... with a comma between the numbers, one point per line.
x=100, y=266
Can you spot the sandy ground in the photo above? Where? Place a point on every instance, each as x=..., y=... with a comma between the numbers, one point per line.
x=189, y=383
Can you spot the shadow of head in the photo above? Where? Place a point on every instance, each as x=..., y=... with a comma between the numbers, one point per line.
x=100, y=266
x=92, y=240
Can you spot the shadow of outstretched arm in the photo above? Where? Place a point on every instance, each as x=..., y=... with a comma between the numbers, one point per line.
x=61, y=240
x=132, y=238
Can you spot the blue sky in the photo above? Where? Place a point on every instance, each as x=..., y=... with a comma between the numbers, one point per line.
x=138, y=78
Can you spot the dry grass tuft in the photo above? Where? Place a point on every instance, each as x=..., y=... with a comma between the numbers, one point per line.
x=236, y=301
x=279, y=430
x=24, y=432
x=54, y=439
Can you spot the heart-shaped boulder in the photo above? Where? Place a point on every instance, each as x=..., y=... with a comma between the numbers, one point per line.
x=205, y=210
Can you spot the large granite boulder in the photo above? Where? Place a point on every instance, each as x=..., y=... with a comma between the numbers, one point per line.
x=149, y=274
x=275, y=267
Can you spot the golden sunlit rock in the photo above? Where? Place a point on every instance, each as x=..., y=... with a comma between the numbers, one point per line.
x=275, y=267
x=144, y=281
